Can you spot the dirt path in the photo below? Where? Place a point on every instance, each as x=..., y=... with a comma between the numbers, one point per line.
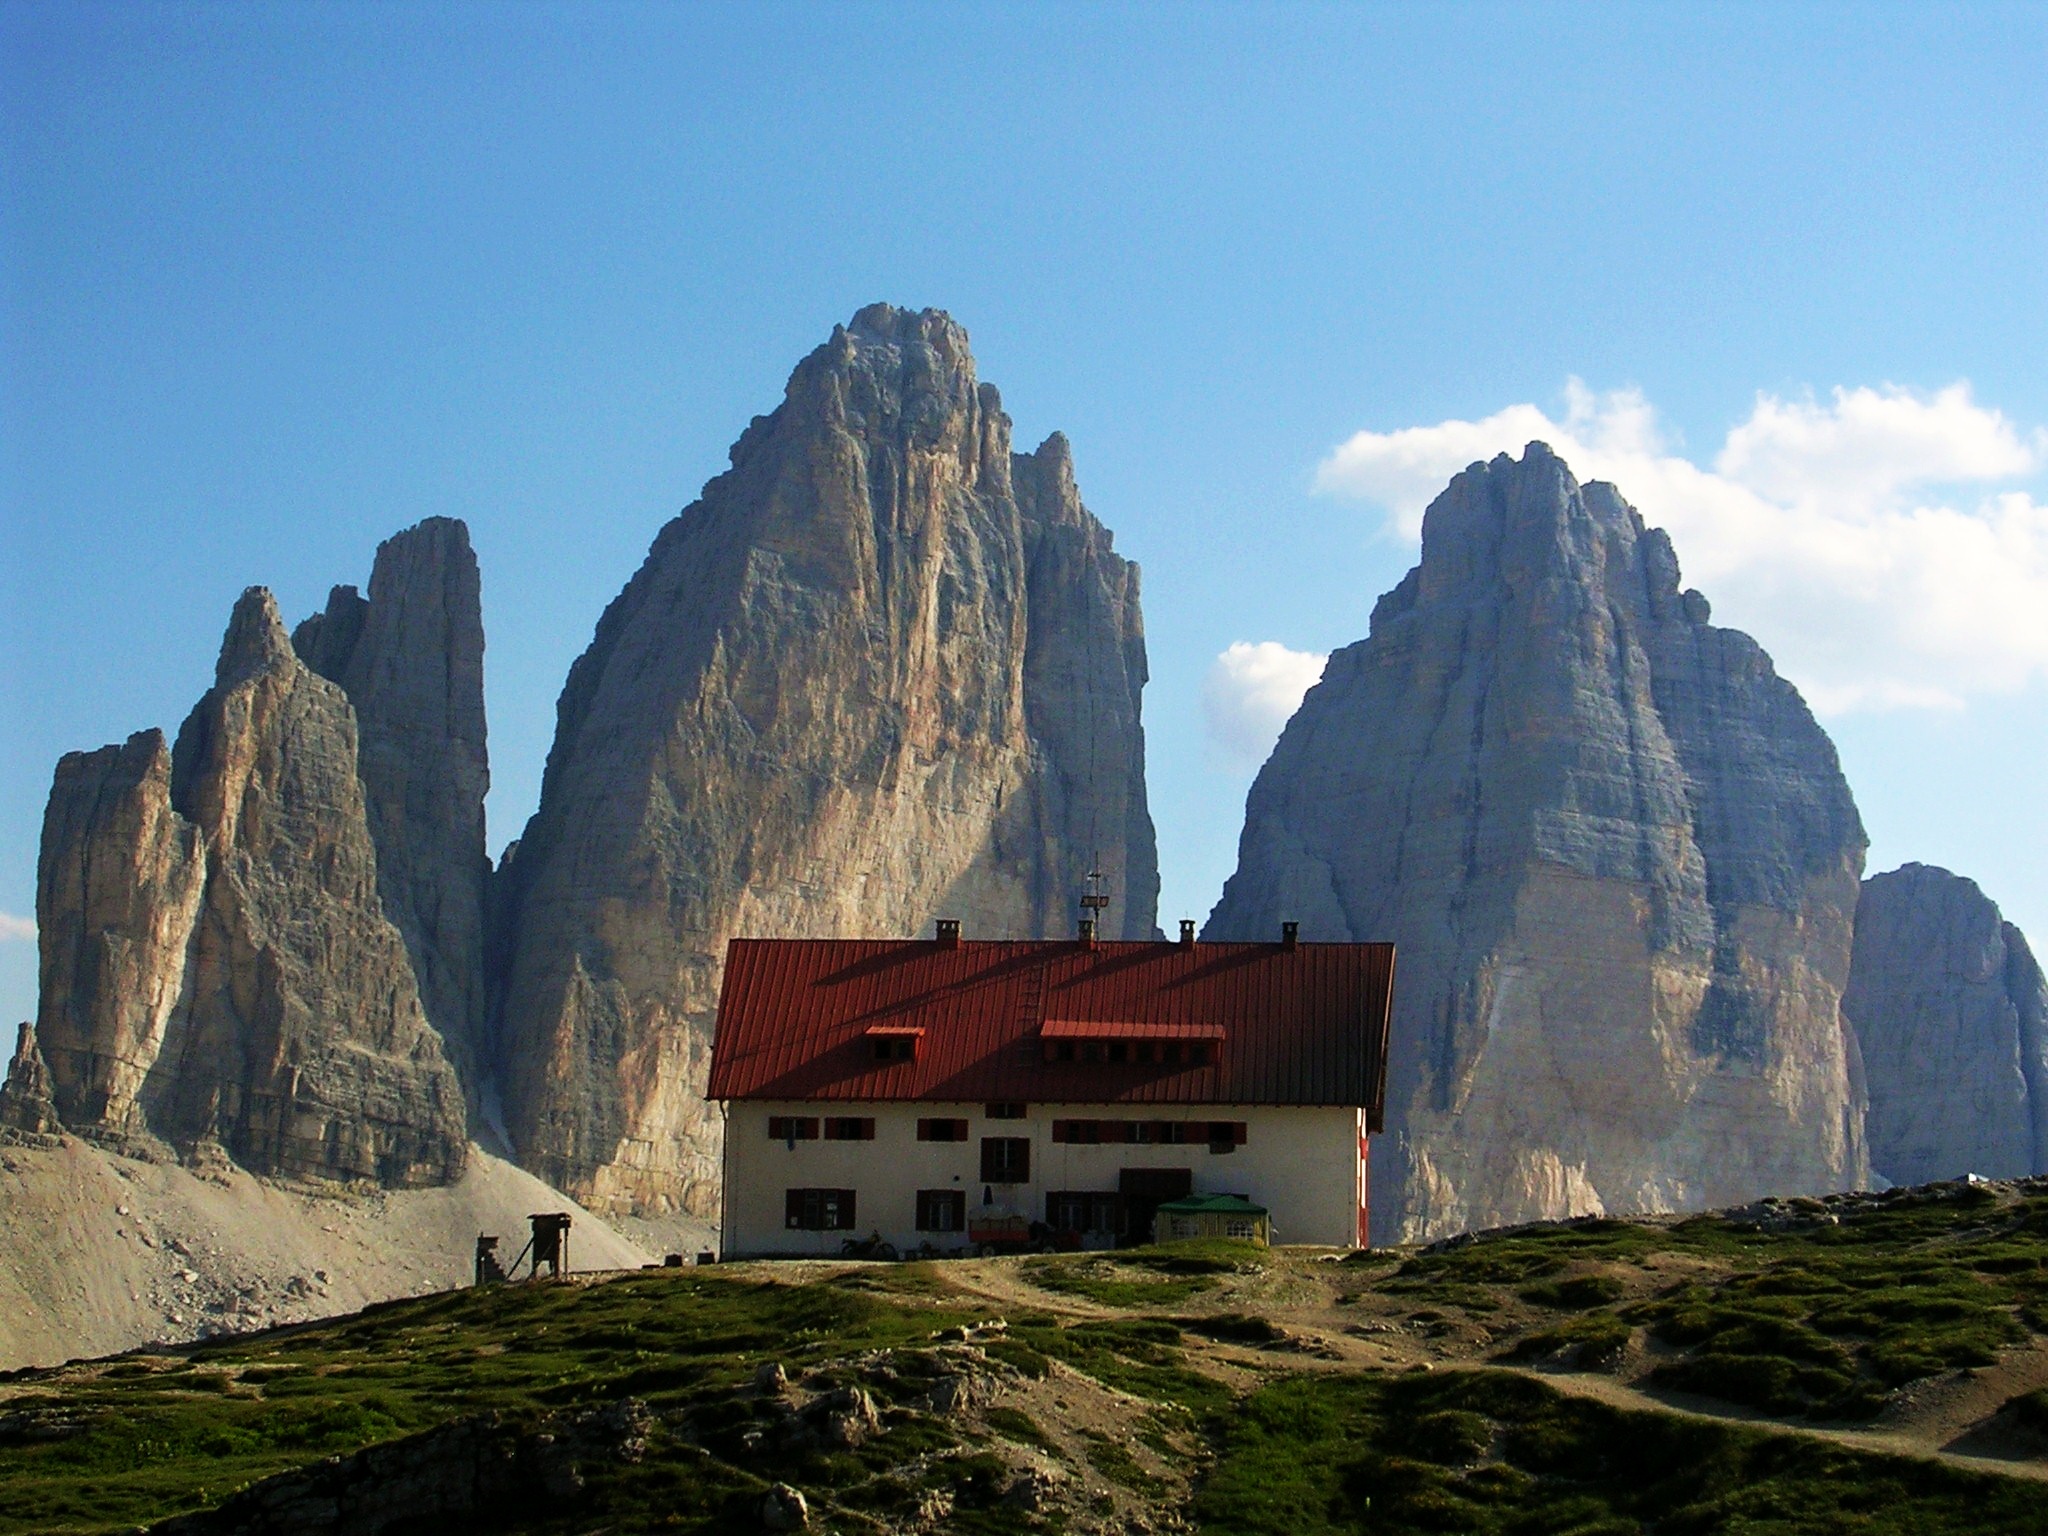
x=1939, y=1420
x=1890, y=1442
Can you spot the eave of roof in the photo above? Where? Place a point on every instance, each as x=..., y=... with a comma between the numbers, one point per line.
x=1303, y=1025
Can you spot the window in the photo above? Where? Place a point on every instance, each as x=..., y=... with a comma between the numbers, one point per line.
x=1226, y=1135
x=792, y=1128
x=818, y=1210
x=1221, y=1135
x=1006, y=1159
x=1005, y=1111
x=941, y=1210
x=942, y=1130
x=1082, y=1211
x=1183, y=1226
x=895, y=1047
x=1241, y=1228
x=1159, y=1133
x=849, y=1128
x=1145, y=1053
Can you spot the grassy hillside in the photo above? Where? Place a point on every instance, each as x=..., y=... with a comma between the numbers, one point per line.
x=1856, y=1365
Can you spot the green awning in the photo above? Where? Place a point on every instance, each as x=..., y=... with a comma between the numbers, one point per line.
x=1211, y=1205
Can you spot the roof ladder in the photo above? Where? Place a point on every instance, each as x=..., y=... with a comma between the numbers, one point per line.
x=1031, y=1008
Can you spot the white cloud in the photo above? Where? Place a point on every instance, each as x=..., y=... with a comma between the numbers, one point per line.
x=1833, y=532
x=1870, y=445
x=1404, y=470
x=1250, y=692
x=22, y=929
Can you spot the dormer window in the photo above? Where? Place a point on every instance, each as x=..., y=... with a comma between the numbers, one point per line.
x=895, y=1042
x=1126, y=1043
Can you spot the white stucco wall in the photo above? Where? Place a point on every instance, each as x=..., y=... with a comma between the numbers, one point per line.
x=1303, y=1165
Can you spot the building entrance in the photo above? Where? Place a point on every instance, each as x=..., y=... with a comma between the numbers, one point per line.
x=1144, y=1190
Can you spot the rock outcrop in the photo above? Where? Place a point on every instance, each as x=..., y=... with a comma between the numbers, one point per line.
x=881, y=670
x=216, y=964
x=410, y=657
x=1617, y=856
x=118, y=890
x=28, y=1101
x=1951, y=1012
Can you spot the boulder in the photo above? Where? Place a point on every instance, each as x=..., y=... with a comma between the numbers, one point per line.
x=784, y=1508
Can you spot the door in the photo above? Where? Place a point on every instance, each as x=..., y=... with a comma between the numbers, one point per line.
x=1144, y=1190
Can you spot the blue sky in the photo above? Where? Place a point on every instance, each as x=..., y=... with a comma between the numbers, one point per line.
x=277, y=281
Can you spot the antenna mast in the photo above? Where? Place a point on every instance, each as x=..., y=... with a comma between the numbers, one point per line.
x=1096, y=899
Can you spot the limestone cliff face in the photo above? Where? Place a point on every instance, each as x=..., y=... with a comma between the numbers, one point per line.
x=216, y=965
x=881, y=670
x=1951, y=1012
x=1616, y=854
x=118, y=889
x=410, y=657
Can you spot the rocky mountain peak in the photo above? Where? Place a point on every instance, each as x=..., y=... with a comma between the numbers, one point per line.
x=1951, y=1013
x=410, y=658
x=1616, y=853
x=1053, y=496
x=857, y=683
x=216, y=965
x=255, y=642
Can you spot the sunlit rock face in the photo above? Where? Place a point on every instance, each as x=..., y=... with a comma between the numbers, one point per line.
x=1951, y=1012
x=882, y=670
x=410, y=657
x=119, y=886
x=217, y=969
x=1617, y=856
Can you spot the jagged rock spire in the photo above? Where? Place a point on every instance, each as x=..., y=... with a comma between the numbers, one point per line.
x=881, y=670
x=410, y=657
x=216, y=965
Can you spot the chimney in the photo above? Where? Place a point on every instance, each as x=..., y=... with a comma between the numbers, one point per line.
x=1290, y=936
x=1087, y=934
x=1187, y=933
x=949, y=933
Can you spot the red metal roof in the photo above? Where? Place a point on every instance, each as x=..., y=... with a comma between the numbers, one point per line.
x=1303, y=1025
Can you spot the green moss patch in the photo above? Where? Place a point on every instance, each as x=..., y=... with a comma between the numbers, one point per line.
x=224, y=1414
x=1493, y=1454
